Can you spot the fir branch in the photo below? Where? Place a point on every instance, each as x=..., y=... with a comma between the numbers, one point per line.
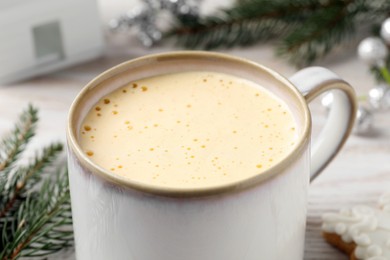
x=35, y=212
x=26, y=177
x=13, y=144
x=323, y=30
x=307, y=29
x=244, y=23
x=43, y=223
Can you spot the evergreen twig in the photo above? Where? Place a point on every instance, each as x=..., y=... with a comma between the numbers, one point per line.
x=43, y=223
x=35, y=213
x=15, y=142
x=25, y=178
x=307, y=29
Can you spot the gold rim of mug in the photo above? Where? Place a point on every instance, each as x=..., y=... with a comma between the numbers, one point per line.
x=176, y=191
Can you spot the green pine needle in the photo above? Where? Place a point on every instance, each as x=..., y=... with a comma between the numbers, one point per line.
x=13, y=144
x=24, y=178
x=35, y=212
x=43, y=222
x=306, y=29
x=324, y=29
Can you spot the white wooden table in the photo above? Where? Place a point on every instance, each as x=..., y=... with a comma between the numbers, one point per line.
x=358, y=175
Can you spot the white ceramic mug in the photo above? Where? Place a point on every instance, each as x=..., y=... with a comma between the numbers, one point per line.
x=262, y=217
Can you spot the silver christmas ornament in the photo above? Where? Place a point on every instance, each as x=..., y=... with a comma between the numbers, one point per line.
x=128, y=19
x=379, y=97
x=385, y=31
x=182, y=7
x=363, y=122
x=373, y=51
x=144, y=18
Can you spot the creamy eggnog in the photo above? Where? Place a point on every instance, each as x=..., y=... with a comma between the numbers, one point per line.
x=188, y=130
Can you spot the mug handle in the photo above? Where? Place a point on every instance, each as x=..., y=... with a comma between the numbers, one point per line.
x=312, y=82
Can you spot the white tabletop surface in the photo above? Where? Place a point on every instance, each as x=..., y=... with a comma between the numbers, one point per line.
x=358, y=175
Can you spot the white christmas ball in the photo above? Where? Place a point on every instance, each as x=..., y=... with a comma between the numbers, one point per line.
x=372, y=50
x=385, y=31
x=363, y=122
x=379, y=97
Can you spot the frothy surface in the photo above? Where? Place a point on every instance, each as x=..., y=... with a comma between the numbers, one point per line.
x=188, y=130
